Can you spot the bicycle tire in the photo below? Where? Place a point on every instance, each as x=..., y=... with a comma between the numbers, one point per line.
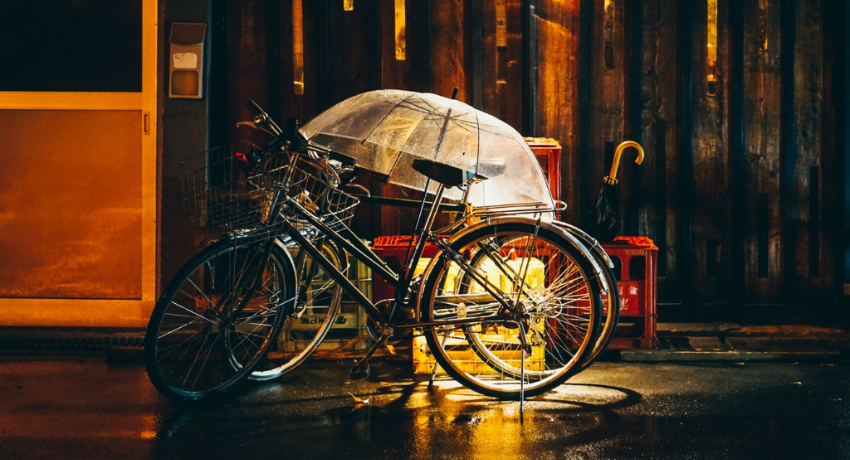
x=217, y=317
x=485, y=356
x=319, y=299
x=611, y=316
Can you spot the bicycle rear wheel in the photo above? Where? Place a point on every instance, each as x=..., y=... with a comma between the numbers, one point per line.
x=506, y=354
x=319, y=299
x=610, y=316
x=610, y=301
x=217, y=317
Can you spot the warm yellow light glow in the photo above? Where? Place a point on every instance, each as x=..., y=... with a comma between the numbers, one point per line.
x=608, y=33
x=535, y=277
x=711, y=40
x=501, y=23
x=400, y=32
x=712, y=31
x=298, y=46
x=501, y=41
x=763, y=25
x=348, y=5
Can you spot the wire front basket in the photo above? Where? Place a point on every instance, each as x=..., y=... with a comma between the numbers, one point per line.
x=314, y=189
x=231, y=189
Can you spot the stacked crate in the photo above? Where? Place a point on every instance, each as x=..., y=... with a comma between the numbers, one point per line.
x=635, y=264
x=392, y=250
x=548, y=154
x=349, y=329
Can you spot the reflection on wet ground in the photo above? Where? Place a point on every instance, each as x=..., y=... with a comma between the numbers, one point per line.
x=85, y=408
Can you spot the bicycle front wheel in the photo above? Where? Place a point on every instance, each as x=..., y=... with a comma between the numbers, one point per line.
x=534, y=346
x=315, y=312
x=217, y=318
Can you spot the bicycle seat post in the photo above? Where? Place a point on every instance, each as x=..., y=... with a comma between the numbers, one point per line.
x=419, y=236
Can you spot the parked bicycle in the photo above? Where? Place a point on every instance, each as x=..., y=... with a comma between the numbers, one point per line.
x=511, y=306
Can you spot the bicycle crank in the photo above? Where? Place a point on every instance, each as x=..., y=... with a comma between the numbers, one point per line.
x=376, y=329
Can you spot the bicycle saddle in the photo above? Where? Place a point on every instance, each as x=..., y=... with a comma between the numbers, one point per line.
x=447, y=175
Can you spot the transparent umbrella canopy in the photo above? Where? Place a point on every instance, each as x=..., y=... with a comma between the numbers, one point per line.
x=386, y=130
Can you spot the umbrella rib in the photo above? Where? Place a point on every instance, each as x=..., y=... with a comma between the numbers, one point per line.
x=398, y=157
x=384, y=118
x=457, y=119
x=477, y=143
x=446, y=119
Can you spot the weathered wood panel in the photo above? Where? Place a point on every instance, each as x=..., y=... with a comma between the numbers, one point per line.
x=302, y=106
x=502, y=59
x=451, y=53
x=606, y=111
x=247, y=54
x=762, y=98
x=813, y=268
x=835, y=34
x=731, y=204
x=354, y=59
x=410, y=74
x=657, y=134
x=711, y=201
x=558, y=26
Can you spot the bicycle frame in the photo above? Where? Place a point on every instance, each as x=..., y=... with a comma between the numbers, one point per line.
x=350, y=243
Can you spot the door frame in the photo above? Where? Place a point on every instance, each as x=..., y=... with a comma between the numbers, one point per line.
x=104, y=312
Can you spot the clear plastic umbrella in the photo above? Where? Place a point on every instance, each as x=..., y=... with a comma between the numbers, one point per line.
x=386, y=130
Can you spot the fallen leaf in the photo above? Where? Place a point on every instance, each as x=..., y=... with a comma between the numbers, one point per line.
x=358, y=400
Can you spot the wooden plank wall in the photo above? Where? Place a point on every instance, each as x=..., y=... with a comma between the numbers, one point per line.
x=762, y=81
x=657, y=130
x=742, y=186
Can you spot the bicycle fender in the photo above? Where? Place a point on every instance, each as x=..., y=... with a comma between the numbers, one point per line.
x=588, y=240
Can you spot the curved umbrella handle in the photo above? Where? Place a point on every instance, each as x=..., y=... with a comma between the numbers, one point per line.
x=612, y=178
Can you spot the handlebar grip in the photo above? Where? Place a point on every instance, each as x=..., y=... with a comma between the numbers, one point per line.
x=342, y=158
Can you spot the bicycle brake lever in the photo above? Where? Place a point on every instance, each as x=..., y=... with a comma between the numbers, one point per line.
x=330, y=170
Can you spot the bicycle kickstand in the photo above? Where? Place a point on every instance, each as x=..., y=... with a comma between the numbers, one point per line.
x=361, y=369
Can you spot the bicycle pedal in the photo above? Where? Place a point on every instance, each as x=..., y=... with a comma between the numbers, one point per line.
x=360, y=371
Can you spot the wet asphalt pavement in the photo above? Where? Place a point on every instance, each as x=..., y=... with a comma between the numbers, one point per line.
x=74, y=407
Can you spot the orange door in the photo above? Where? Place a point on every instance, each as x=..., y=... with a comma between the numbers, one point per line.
x=78, y=176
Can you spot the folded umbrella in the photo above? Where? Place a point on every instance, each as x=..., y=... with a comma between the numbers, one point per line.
x=604, y=216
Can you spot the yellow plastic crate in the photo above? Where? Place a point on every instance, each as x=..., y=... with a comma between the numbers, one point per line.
x=468, y=360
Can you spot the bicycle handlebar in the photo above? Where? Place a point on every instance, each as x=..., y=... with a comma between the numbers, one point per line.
x=292, y=137
x=263, y=120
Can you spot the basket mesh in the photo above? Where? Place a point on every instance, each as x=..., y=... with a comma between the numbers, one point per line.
x=311, y=187
x=220, y=195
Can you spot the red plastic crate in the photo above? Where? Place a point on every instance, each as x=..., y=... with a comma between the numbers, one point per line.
x=548, y=153
x=392, y=250
x=635, y=263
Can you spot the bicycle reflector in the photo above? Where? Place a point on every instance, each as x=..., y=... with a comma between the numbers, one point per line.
x=248, y=161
